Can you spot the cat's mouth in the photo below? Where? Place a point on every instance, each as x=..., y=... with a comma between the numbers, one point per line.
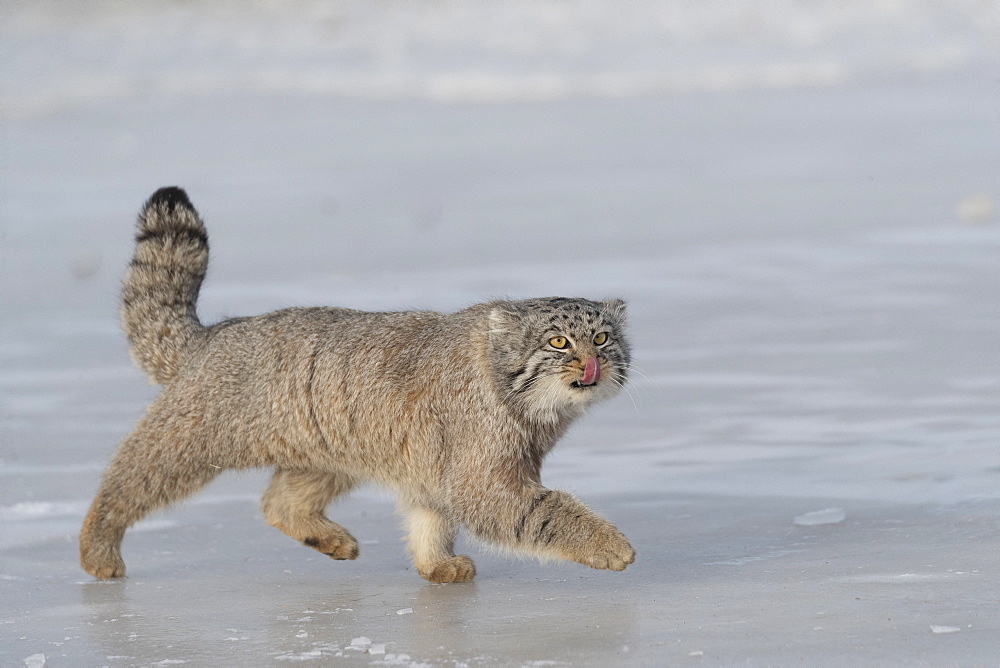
x=591, y=374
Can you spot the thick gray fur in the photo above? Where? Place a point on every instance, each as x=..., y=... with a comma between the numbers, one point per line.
x=454, y=412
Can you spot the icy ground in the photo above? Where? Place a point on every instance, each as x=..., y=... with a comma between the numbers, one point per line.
x=798, y=205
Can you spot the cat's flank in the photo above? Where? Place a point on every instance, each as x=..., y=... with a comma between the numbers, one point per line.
x=454, y=412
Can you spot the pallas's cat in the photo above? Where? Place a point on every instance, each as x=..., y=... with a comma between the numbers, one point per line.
x=454, y=412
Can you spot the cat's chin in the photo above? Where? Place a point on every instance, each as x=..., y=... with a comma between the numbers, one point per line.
x=572, y=402
x=554, y=415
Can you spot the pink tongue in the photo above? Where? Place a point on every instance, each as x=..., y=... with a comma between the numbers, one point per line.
x=591, y=372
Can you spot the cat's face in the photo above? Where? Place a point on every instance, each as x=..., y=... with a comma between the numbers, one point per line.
x=554, y=356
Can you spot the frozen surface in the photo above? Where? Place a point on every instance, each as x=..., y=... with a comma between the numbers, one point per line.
x=797, y=198
x=817, y=517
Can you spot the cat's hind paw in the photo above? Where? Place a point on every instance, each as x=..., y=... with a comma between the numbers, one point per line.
x=104, y=566
x=338, y=545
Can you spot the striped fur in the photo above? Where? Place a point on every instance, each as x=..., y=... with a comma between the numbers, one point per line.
x=161, y=285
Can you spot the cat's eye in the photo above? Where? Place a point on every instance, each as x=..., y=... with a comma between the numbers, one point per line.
x=559, y=342
x=601, y=338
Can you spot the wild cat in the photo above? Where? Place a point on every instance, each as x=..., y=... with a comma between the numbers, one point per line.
x=454, y=412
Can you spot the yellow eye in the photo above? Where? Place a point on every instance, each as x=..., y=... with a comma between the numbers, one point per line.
x=601, y=338
x=559, y=342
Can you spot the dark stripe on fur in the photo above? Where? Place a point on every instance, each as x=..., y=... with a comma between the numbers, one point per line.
x=532, y=370
x=519, y=528
x=309, y=398
x=185, y=233
x=161, y=287
x=541, y=530
x=511, y=377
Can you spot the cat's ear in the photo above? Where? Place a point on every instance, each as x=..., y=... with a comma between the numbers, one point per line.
x=505, y=320
x=615, y=309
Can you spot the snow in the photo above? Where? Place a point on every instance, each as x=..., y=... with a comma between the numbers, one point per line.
x=33, y=510
x=798, y=200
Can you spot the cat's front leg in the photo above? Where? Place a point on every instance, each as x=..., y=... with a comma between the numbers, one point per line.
x=431, y=540
x=555, y=523
x=549, y=523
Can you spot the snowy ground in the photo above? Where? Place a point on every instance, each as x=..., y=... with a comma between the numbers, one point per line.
x=797, y=200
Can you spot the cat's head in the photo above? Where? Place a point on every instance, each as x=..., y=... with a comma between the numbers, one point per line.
x=552, y=357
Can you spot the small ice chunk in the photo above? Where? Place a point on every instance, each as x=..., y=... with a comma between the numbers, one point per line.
x=361, y=642
x=308, y=655
x=696, y=653
x=302, y=634
x=944, y=629
x=826, y=516
x=405, y=611
x=34, y=661
x=377, y=648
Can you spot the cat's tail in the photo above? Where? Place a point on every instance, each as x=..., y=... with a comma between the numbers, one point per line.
x=161, y=287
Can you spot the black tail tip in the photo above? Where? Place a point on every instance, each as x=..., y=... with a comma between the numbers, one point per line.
x=170, y=197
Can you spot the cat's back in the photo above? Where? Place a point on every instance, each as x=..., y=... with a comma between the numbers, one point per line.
x=384, y=392
x=362, y=348
x=400, y=354
x=350, y=374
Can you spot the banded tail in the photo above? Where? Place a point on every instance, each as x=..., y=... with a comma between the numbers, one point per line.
x=161, y=286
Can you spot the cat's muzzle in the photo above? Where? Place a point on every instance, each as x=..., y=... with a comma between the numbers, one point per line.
x=591, y=374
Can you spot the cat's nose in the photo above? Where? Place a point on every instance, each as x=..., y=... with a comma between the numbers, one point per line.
x=591, y=372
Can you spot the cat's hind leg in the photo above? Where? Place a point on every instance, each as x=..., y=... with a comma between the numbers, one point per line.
x=431, y=541
x=296, y=501
x=147, y=472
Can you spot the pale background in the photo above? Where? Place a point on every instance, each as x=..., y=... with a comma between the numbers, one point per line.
x=797, y=198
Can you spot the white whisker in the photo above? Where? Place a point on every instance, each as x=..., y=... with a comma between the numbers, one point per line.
x=623, y=382
x=633, y=367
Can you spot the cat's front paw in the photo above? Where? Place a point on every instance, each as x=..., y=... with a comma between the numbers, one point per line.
x=455, y=569
x=610, y=550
